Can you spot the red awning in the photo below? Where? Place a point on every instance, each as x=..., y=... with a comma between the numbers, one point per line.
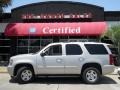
x=56, y=29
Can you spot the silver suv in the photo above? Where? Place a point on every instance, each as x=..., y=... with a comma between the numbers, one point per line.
x=89, y=60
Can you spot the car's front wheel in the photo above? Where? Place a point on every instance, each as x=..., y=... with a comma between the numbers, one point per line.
x=25, y=75
x=91, y=75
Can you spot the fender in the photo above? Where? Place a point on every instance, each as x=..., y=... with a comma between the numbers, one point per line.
x=26, y=61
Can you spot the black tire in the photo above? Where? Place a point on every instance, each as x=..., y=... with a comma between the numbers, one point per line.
x=12, y=77
x=20, y=75
x=85, y=75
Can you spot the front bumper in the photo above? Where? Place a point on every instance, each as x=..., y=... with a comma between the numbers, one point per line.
x=10, y=70
x=107, y=69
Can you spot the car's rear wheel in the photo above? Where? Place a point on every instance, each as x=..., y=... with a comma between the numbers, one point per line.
x=25, y=75
x=91, y=75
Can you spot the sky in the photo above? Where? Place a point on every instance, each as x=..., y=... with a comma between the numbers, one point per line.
x=109, y=5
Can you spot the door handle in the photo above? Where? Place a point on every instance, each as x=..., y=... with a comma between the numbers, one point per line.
x=59, y=60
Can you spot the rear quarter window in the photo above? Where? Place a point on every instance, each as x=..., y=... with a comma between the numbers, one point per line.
x=96, y=49
x=113, y=49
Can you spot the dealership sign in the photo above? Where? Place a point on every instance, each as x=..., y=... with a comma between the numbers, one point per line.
x=56, y=29
x=56, y=16
x=61, y=30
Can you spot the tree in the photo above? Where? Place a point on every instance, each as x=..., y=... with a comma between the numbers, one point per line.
x=4, y=3
x=114, y=34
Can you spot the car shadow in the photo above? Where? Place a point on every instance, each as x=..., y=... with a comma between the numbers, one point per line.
x=107, y=80
x=66, y=80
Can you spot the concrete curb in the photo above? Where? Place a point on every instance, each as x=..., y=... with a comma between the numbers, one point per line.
x=3, y=69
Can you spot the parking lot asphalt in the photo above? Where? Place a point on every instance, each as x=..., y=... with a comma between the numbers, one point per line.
x=109, y=82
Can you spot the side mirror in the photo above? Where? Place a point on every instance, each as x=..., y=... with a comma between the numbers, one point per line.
x=42, y=54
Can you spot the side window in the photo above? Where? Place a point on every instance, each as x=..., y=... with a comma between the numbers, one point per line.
x=73, y=49
x=114, y=50
x=54, y=50
x=96, y=49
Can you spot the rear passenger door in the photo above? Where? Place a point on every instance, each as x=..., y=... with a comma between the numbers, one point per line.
x=73, y=57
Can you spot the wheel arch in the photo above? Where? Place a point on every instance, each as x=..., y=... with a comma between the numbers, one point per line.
x=18, y=66
x=93, y=64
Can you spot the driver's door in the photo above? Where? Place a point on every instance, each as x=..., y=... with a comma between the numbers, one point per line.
x=53, y=60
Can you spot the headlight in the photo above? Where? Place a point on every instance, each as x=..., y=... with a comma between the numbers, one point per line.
x=11, y=62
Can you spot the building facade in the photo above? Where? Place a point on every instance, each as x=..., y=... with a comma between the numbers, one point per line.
x=31, y=27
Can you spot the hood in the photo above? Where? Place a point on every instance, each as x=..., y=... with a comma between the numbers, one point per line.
x=25, y=56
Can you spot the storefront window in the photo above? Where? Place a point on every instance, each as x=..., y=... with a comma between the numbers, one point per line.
x=22, y=50
x=31, y=45
x=83, y=40
x=93, y=40
x=34, y=49
x=4, y=57
x=34, y=42
x=5, y=50
x=4, y=42
x=23, y=42
x=45, y=42
x=63, y=40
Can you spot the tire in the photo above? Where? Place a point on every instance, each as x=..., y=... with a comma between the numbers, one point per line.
x=24, y=75
x=12, y=77
x=91, y=75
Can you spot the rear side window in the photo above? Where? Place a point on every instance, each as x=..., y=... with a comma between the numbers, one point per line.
x=73, y=49
x=113, y=49
x=96, y=49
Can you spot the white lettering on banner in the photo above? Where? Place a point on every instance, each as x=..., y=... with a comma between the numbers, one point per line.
x=44, y=30
x=61, y=30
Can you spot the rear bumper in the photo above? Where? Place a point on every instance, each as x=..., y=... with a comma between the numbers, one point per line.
x=107, y=69
x=119, y=71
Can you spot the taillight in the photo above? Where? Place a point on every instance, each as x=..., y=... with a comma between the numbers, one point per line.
x=111, y=59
